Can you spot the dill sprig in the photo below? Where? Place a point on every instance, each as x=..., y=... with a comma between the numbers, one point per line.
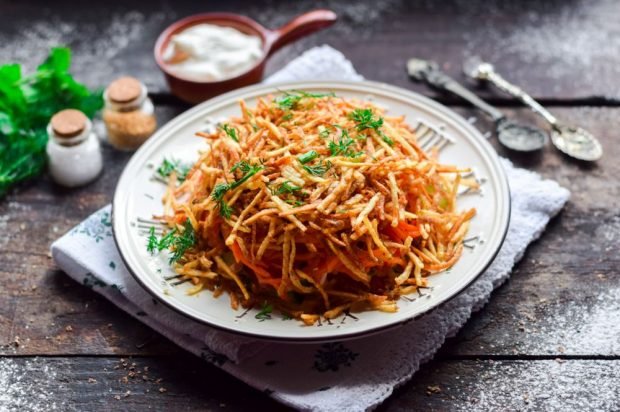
x=343, y=146
x=285, y=188
x=173, y=165
x=153, y=244
x=230, y=131
x=307, y=157
x=177, y=241
x=318, y=169
x=218, y=193
x=365, y=119
x=220, y=190
x=265, y=312
x=290, y=99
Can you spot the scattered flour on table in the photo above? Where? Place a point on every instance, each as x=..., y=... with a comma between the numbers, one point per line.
x=359, y=18
x=541, y=386
x=357, y=21
x=29, y=386
x=561, y=40
x=96, y=51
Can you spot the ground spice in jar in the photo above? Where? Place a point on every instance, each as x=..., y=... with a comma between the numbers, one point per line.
x=129, y=114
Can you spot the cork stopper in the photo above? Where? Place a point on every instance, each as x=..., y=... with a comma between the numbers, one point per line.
x=69, y=123
x=124, y=90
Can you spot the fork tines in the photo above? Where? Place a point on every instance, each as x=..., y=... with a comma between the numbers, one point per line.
x=428, y=137
x=144, y=226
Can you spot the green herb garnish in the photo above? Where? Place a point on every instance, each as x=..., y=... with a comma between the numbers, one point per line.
x=26, y=105
x=177, y=241
x=366, y=119
x=168, y=166
x=287, y=116
x=153, y=243
x=286, y=316
x=343, y=146
x=295, y=202
x=319, y=169
x=307, y=157
x=230, y=131
x=265, y=312
x=285, y=188
x=290, y=99
x=221, y=189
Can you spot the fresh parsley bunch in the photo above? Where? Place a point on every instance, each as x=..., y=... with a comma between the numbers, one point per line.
x=26, y=105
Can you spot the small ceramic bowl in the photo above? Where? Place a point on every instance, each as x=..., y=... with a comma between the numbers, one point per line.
x=193, y=91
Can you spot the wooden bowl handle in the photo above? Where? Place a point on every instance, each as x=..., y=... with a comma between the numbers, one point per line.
x=301, y=26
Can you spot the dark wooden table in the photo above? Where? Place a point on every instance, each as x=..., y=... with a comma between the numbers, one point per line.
x=549, y=339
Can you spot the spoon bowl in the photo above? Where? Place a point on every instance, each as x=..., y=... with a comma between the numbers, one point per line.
x=571, y=140
x=519, y=137
x=576, y=142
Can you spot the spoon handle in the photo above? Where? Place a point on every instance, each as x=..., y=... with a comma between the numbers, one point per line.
x=517, y=92
x=429, y=72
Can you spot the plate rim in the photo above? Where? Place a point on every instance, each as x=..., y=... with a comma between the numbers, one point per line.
x=379, y=87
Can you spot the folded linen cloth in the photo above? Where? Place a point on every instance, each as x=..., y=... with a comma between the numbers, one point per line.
x=351, y=375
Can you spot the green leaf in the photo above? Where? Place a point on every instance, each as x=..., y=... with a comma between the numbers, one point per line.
x=59, y=60
x=26, y=106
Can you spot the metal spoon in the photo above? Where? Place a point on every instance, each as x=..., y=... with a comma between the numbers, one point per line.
x=511, y=134
x=571, y=140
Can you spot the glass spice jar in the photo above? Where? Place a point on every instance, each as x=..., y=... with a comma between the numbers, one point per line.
x=73, y=149
x=129, y=115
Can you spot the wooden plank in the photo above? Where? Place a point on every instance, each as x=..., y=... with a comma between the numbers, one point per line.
x=86, y=383
x=176, y=383
x=557, y=50
x=507, y=385
x=570, y=274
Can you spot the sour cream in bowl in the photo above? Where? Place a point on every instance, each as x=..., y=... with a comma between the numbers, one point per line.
x=205, y=55
x=209, y=52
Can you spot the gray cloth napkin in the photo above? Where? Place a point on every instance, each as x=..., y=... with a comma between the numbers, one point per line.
x=352, y=375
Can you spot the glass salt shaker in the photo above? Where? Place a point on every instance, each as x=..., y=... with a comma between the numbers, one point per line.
x=73, y=149
x=129, y=114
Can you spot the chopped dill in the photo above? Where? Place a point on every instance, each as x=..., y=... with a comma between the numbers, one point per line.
x=319, y=169
x=365, y=119
x=220, y=190
x=285, y=188
x=152, y=244
x=343, y=146
x=177, y=241
x=290, y=99
x=287, y=116
x=230, y=131
x=265, y=312
x=173, y=165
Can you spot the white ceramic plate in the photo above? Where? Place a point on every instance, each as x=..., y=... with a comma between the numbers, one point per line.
x=138, y=197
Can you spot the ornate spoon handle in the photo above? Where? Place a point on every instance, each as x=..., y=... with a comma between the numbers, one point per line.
x=428, y=71
x=485, y=71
